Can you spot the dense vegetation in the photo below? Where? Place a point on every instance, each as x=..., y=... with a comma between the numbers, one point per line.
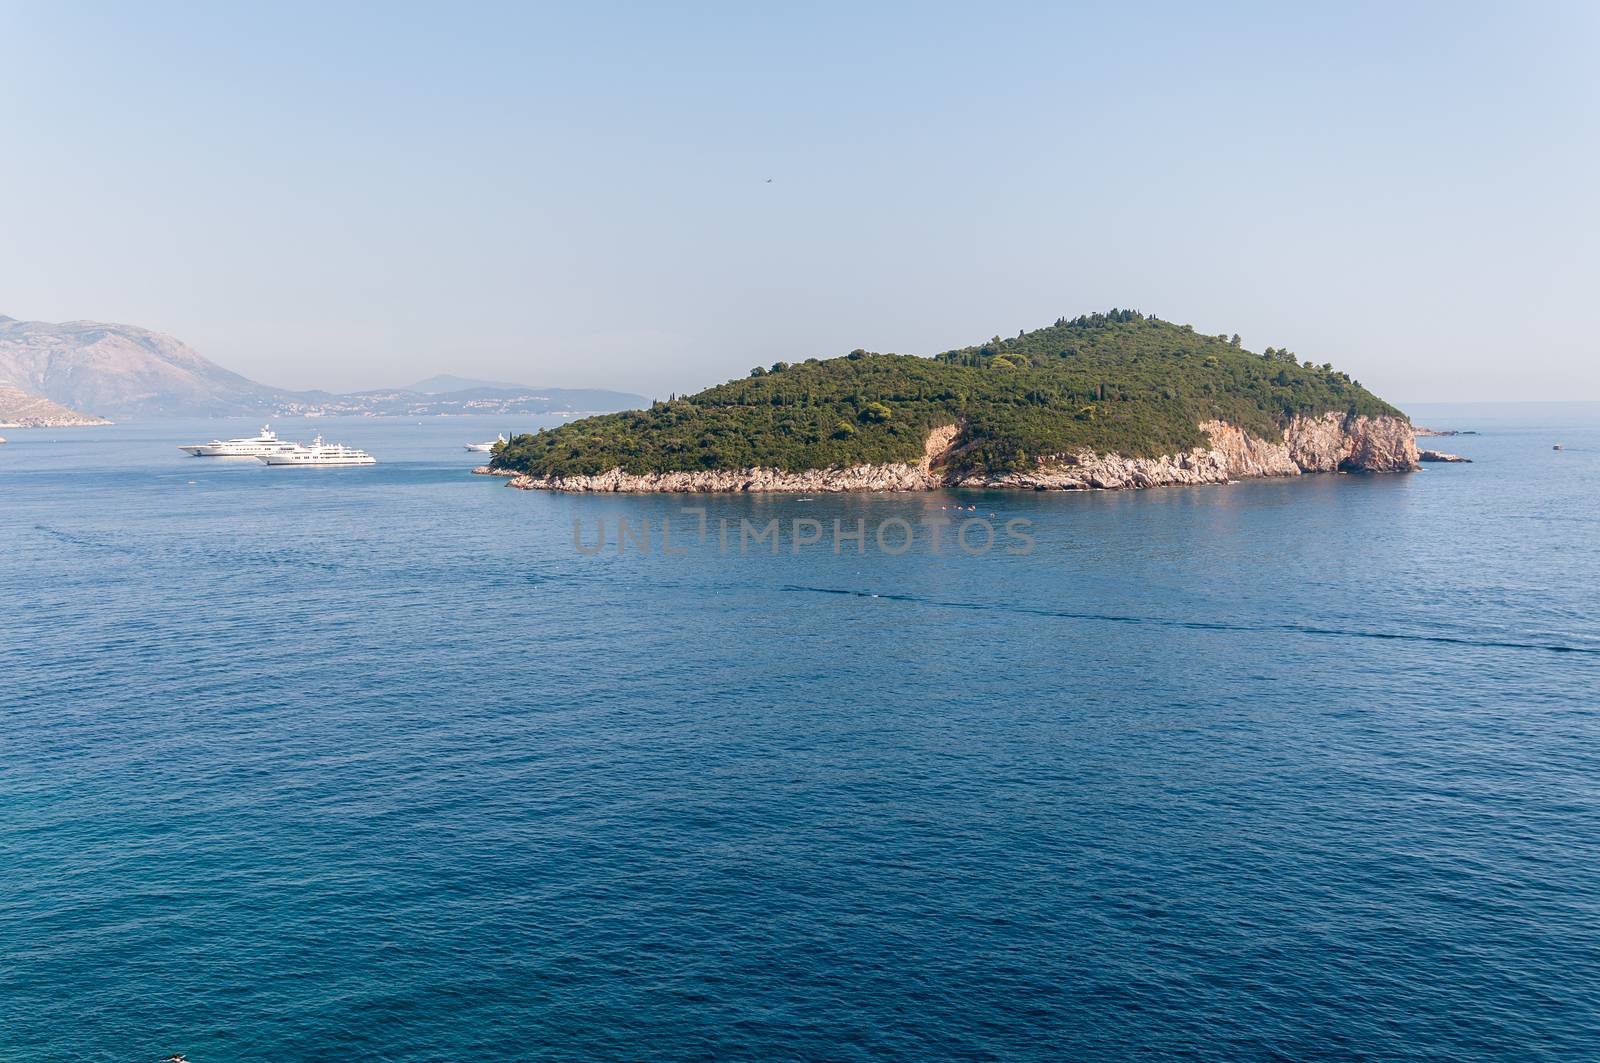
x=1119, y=381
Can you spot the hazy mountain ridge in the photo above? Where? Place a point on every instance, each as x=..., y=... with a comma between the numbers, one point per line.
x=446, y=383
x=124, y=371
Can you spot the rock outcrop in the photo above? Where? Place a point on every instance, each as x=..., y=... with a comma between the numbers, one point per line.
x=1365, y=444
x=1329, y=443
x=1439, y=455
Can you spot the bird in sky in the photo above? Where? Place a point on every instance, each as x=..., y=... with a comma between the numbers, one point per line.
x=769, y=180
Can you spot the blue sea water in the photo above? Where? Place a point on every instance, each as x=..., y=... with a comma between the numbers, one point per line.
x=373, y=764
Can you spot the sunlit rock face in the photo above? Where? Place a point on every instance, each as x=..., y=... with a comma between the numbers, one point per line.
x=1329, y=443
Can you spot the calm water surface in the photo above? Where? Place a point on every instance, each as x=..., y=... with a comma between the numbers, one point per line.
x=371, y=764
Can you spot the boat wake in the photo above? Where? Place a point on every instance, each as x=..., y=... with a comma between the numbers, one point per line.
x=1206, y=625
x=188, y=553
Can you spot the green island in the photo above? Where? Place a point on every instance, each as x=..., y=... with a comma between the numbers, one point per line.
x=1117, y=382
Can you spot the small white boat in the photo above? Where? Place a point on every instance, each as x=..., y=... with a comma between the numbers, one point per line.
x=1558, y=446
x=248, y=447
x=318, y=453
x=484, y=448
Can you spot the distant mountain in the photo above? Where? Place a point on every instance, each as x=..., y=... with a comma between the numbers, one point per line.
x=123, y=371
x=445, y=383
x=18, y=409
x=460, y=388
x=511, y=401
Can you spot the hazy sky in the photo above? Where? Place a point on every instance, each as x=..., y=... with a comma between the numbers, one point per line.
x=343, y=196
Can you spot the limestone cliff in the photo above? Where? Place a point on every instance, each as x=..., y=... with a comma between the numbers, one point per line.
x=1329, y=443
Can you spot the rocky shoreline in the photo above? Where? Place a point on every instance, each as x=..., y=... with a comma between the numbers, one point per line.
x=20, y=409
x=1331, y=442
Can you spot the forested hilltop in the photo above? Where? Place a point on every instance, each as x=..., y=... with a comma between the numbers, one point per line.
x=1119, y=382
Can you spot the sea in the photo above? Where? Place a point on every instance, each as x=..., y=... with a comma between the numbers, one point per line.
x=398, y=764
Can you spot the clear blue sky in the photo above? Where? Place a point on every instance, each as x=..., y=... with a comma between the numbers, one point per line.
x=342, y=196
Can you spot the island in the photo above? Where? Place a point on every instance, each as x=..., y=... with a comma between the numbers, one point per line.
x=21, y=409
x=1101, y=401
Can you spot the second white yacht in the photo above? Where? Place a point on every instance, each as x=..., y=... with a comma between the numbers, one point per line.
x=484, y=448
x=319, y=453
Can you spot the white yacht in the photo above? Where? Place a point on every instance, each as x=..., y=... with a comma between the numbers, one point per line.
x=253, y=447
x=484, y=448
x=318, y=453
